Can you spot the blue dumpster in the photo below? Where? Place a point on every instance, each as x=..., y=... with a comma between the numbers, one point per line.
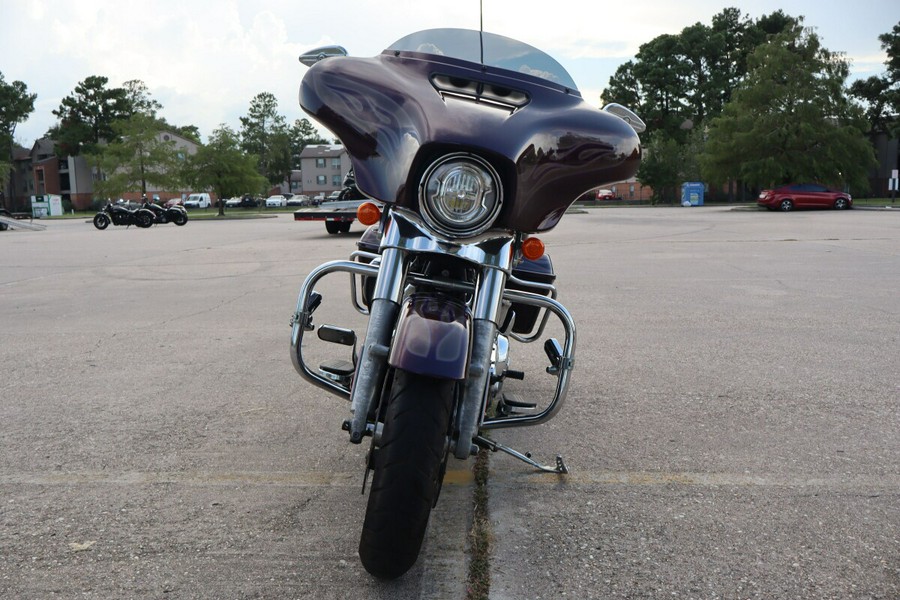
x=692, y=193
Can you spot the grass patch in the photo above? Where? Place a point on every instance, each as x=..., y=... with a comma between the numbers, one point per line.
x=481, y=537
x=874, y=202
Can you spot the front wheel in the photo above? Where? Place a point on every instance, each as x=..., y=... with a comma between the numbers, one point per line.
x=101, y=221
x=179, y=218
x=841, y=204
x=144, y=219
x=408, y=472
x=786, y=205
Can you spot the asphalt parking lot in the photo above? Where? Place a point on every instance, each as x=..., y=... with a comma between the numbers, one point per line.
x=732, y=431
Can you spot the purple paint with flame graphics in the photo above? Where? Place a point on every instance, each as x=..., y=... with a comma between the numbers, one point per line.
x=432, y=337
x=397, y=112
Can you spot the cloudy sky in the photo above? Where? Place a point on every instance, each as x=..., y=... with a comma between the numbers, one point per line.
x=204, y=60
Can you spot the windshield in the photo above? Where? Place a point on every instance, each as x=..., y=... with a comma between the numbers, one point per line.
x=498, y=51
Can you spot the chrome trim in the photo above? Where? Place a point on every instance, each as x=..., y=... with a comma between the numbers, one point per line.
x=456, y=229
x=302, y=320
x=409, y=232
x=372, y=366
x=489, y=295
x=355, y=299
x=475, y=389
x=567, y=363
x=540, y=330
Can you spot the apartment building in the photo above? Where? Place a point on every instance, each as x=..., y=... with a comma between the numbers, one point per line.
x=322, y=169
x=40, y=171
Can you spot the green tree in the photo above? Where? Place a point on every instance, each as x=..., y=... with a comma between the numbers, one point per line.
x=624, y=88
x=264, y=133
x=222, y=166
x=664, y=81
x=875, y=92
x=191, y=132
x=138, y=156
x=678, y=82
x=660, y=166
x=139, y=100
x=790, y=120
x=881, y=93
x=15, y=106
x=302, y=134
x=86, y=116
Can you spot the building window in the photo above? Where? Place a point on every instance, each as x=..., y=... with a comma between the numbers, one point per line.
x=320, y=163
x=336, y=163
x=336, y=180
x=321, y=180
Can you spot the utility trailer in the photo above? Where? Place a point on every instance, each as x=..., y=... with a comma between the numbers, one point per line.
x=17, y=221
x=337, y=214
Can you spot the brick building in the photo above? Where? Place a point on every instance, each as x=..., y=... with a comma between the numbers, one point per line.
x=40, y=171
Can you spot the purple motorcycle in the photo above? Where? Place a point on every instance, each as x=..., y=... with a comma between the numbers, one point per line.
x=469, y=144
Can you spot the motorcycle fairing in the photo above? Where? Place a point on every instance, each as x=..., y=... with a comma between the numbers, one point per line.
x=549, y=149
x=432, y=337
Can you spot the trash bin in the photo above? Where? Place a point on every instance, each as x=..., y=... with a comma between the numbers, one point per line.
x=692, y=193
x=39, y=209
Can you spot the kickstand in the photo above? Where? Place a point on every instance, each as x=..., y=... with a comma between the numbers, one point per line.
x=559, y=469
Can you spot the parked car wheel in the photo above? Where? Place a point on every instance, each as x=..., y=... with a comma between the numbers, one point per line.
x=840, y=204
x=786, y=205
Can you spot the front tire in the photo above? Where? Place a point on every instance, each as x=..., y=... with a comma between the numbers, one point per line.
x=841, y=204
x=101, y=221
x=408, y=473
x=144, y=219
x=786, y=205
x=180, y=218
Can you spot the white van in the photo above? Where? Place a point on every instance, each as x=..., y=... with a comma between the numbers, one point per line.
x=198, y=201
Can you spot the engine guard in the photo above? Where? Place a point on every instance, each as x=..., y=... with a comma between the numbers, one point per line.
x=433, y=337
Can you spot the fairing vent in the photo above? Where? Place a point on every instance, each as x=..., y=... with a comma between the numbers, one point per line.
x=480, y=92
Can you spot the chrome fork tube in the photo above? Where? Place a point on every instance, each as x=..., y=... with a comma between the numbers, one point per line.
x=488, y=297
x=372, y=364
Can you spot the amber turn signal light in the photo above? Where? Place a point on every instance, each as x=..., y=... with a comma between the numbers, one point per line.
x=532, y=248
x=368, y=213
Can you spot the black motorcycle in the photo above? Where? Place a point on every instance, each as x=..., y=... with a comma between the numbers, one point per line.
x=122, y=215
x=471, y=143
x=172, y=214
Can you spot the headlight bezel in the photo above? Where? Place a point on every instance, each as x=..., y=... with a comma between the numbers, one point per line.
x=472, y=215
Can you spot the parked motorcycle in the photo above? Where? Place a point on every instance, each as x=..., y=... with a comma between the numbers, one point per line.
x=472, y=143
x=121, y=215
x=173, y=214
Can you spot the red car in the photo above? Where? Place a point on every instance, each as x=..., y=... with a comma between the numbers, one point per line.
x=804, y=195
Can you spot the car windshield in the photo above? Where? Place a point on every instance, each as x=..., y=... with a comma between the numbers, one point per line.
x=489, y=49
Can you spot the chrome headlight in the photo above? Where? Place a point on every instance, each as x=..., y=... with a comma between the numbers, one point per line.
x=460, y=195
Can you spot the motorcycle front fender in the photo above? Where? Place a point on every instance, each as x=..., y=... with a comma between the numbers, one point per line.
x=433, y=337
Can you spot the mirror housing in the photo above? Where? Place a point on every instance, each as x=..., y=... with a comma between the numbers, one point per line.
x=626, y=115
x=314, y=56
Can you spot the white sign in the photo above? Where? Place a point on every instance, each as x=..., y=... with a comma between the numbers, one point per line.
x=895, y=174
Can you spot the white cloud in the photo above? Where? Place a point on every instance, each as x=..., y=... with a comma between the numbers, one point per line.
x=204, y=60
